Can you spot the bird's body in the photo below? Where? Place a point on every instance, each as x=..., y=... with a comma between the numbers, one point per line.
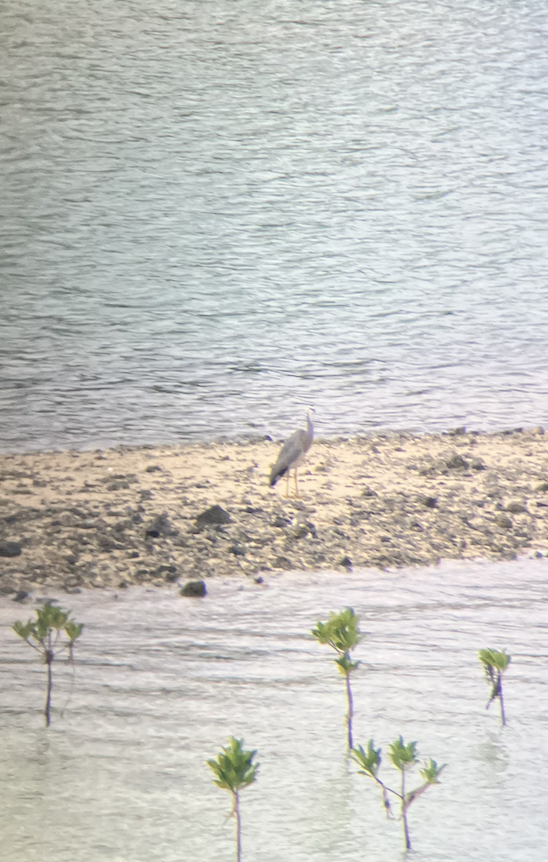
x=293, y=453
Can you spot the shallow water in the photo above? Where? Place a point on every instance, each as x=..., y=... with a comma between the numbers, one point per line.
x=161, y=682
x=215, y=213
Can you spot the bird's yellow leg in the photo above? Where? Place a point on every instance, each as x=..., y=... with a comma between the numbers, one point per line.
x=296, y=484
x=287, y=484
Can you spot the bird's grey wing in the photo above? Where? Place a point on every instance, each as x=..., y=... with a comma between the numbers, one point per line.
x=293, y=448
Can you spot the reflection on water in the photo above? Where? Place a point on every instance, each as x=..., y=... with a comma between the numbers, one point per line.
x=161, y=683
x=215, y=212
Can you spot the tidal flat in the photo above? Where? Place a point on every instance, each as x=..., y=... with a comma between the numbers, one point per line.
x=131, y=515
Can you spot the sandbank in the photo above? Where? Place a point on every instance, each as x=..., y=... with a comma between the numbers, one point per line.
x=128, y=515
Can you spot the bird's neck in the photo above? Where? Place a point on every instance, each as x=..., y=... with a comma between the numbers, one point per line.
x=310, y=425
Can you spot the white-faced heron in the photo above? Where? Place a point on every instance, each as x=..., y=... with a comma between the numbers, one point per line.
x=292, y=454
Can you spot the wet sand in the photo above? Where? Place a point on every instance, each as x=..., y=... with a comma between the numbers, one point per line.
x=124, y=516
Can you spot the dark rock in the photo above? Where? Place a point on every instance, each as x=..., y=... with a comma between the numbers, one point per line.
x=260, y=580
x=146, y=494
x=169, y=572
x=429, y=502
x=282, y=563
x=299, y=531
x=516, y=508
x=238, y=550
x=456, y=462
x=346, y=562
x=154, y=468
x=160, y=527
x=280, y=521
x=542, y=486
x=193, y=589
x=312, y=529
x=504, y=522
x=211, y=516
x=477, y=464
x=20, y=596
x=8, y=590
x=368, y=492
x=26, y=514
x=10, y=549
x=107, y=543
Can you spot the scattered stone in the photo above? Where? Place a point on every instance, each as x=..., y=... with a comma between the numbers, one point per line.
x=20, y=596
x=10, y=549
x=282, y=563
x=516, y=508
x=260, y=580
x=213, y=515
x=168, y=571
x=429, y=502
x=456, y=462
x=542, y=486
x=160, y=527
x=368, y=492
x=154, y=468
x=299, y=531
x=237, y=549
x=346, y=563
x=193, y=589
x=504, y=522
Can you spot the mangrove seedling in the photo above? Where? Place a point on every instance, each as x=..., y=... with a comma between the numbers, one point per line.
x=495, y=663
x=404, y=758
x=234, y=770
x=51, y=632
x=341, y=633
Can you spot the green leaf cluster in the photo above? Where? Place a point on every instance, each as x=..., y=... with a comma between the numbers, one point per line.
x=369, y=761
x=431, y=771
x=403, y=756
x=340, y=631
x=494, y=660
x=51, y=622
x=234, y=767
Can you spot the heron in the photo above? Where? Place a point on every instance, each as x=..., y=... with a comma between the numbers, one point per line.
x=292, y=454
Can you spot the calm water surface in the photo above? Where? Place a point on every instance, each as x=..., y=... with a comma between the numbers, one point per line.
x=213, y=213
x=161, y=683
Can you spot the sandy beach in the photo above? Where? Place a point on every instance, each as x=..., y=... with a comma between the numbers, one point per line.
x=122, y=516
